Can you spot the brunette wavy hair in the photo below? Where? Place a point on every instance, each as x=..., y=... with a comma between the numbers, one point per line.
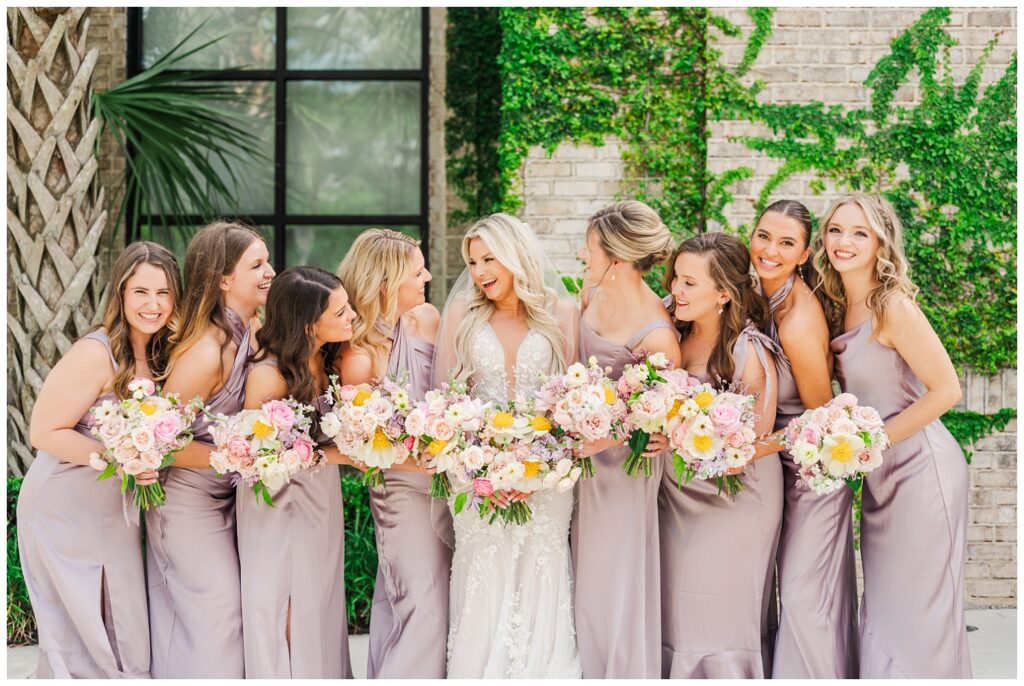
x=298, y=297
x=729, y=267
x=118, y=329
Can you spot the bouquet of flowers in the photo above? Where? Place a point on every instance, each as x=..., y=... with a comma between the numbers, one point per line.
x=443, y=424
x=514, y=450
x=368, y=424
x=582, y=404
x=140, y=433
x=712, y=432
x=837, y=443
x=652, y=392
x=266, y=447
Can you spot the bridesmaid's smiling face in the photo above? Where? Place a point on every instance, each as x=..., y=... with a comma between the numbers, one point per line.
x=249, y=283
x=335, y=324
x=695, y=292
x=147, y=302
x=778, y=246
x=487, y=272
x=412, y=292
x=850, y=242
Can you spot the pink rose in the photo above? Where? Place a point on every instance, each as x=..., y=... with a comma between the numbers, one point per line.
x=724, y=414
x=595, y=426
x=811, y=433
x=166, y=428
x=483, y=487
x=440, y=428
x=142, y=439
x=845, y=400
x=678, y=435
x=347, y=393
x=304, y=450
x=280, y=415
x=866, y=418
x=97, y=462
x=734, y=439
x=151, y=459
x=409, y=443
x=415, y=423
x=623, y=386
x=843, y=426
x=237, y=449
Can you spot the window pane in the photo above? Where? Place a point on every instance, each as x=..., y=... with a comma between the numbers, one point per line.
x=354, y=37
x=353, y=147
x=176, y=238
x=253, y=185
x=326, y=246
x=249, y=41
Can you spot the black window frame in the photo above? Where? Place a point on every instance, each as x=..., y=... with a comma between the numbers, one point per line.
x=280, y=76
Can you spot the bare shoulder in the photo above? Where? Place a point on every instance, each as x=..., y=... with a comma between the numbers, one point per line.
x=662, y=340
x=354, y=366
x=205, y=353
x=425, y=319
x=566, y=309
x=903, y=318
x=266, y=380
x=805, y=320
x=86, y=358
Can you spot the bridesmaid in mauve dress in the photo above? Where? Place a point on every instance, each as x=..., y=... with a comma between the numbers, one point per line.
x=79, y=540
x=817, y=631
x=385, y=275
x=195, y=610
x=614, y=535
x=718, y=552
x=914, y=514
x=292, y=555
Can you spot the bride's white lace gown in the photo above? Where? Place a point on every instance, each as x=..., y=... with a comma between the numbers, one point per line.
x=511, y=593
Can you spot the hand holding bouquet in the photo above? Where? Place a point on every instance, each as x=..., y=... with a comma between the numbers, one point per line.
x=653, y=394
x=582, y=404
x=139, y=434
x=368, y=424
x=837, y=443
x=266, y=447
x=443, y=424
x=712, y=433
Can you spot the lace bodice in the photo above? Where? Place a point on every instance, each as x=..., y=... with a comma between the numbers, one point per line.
x=490, y=380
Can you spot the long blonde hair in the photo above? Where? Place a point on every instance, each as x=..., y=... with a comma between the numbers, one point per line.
x=890, y=261
x=212, y=253
x=516, y=247
x=118, y=329
x=375, y=267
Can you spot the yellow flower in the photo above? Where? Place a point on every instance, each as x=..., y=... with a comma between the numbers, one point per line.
x=674, y=412
x=380, y=439
x=147, y=408
x=842, y=452
x=531, y=469
x=609, y=396
x=704, y=399
x=702, y=442
x=261, y=430
x=361, y=397
x=503, y=420
x=540, y=423
x=436, y=446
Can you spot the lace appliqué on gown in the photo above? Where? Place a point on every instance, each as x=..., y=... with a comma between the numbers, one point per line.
x=511, y=593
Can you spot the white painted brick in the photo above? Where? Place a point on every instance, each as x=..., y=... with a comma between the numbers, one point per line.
x=599, y=170
x=991, y=17
x=990, y=551
x=575, y=188
x=797, y=16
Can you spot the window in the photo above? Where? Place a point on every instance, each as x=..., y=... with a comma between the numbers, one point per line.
x=338, y=97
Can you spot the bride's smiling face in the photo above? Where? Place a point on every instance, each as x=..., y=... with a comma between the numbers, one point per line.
x=487, y=272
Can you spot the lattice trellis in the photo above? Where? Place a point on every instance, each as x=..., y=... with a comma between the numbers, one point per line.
x=55, y=209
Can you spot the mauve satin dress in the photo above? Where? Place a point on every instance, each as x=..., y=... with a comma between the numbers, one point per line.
x=615, y=549
x=293, y=554
x=817, y=633
x=74, y=539
x=195, y=606
x=409, y=616
x=913, y=529
x=717, y=562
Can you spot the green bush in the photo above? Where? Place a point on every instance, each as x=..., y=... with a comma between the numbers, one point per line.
x=360, y=563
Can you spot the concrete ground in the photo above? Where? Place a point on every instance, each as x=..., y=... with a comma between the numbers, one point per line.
x=993, y=648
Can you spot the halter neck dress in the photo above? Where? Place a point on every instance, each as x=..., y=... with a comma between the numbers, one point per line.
x=718, y=559
x=75, y=546
x=292, y=555
x=409, y=617
x=615, y=547
x=195, y=612
x=817, y=632
x=913, y=535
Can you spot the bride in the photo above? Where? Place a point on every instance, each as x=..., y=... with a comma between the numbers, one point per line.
x=508, y=320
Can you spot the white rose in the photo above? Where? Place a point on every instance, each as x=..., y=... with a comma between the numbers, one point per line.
x=563, y=467
x=330, y=424
x=659, y=360
x=473, y=457
x=291, y=460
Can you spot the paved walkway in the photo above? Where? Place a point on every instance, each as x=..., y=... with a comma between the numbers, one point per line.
x=993, y=648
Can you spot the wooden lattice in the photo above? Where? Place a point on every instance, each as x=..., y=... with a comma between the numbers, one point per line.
x=55, y=209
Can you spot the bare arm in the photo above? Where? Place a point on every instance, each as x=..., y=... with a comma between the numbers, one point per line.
x=754, y=379
x=425, y=321
x=907, y=331
x=196, y=373
x=568, y=316
x=355, y=367
x=70, y=389
x=805, y=341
